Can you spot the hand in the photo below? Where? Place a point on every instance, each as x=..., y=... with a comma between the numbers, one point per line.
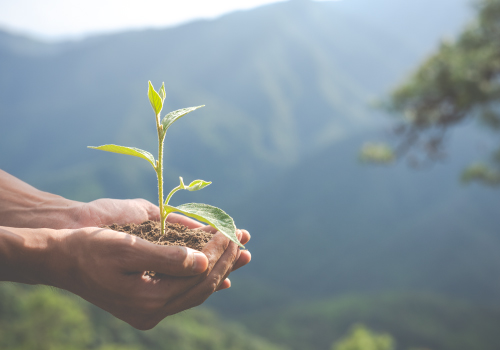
x=109, y=269
x=109, y=211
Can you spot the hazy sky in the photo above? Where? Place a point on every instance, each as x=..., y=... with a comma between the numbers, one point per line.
x=61, y=19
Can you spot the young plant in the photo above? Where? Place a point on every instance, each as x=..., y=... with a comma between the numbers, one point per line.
x=213, y=216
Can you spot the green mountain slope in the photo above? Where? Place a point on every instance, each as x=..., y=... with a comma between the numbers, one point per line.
x=279, y=82
x=333, y=225
x=415, y=321
x=41, y=318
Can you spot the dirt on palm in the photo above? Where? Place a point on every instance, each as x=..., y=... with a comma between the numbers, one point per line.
x=175, y=234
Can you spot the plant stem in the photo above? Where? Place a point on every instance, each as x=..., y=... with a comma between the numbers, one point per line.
x=159, y=174
x=171, y=193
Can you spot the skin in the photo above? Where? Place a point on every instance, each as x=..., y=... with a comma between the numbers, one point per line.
x=47, y=239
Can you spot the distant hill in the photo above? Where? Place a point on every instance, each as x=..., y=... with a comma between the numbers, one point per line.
x=419, y=25
x=280, y=82
x=43, y=318
x=415, y=321
x=332, y=225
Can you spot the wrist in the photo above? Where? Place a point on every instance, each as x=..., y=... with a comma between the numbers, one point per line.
x=32, y=256
x=22, y=205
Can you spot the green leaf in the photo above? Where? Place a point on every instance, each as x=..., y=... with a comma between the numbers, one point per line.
x=155, y=99
x=131, y=151
x=162, y=93
x=197, y=185
x=193, y=186
x=173, y=116
x=213, y=216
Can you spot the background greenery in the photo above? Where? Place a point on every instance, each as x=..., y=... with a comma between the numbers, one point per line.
x=458, y=83
x=342, y=252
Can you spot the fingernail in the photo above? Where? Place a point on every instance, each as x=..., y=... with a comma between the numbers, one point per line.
x=238, y=234
x=199, y=262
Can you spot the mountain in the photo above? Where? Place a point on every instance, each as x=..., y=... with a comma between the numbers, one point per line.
x=415, y=321
x=280, y=82
x=333, y=225
x=420, y=26
x=41, y=318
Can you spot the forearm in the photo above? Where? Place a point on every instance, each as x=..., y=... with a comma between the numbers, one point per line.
x=32, y=256
x=22, y=205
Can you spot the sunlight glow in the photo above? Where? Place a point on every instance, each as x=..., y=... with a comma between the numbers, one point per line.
x=64, y=19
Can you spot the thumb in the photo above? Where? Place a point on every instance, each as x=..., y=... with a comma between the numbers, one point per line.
x=168, y=260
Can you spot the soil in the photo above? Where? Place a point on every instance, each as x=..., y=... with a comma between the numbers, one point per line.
x=175, y=234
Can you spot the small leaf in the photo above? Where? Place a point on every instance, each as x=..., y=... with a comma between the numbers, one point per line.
x=154, y=99
x=162, y=93
x=197, y=185
x=173, y=116
x=213, y=216
x=131, y=151
x=182, y=186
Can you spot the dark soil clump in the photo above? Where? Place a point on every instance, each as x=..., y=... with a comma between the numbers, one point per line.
x=175, y=234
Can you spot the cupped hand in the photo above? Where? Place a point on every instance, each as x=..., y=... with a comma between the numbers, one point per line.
x=108, y=211
x=108, y=269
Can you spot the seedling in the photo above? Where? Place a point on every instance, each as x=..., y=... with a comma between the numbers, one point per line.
x=213, y=216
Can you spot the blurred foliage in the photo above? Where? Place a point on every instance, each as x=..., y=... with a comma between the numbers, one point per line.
x=414, y=320
x=34, y=317
x=41, y=318
x=483, y=173
x=460, y=81
x=363, y=229
x=361, y=338
x=379, y=153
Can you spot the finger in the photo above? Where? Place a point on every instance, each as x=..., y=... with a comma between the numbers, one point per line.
x=225, y=284
x=245, y=237
x=222, y=267
x=223, y=259
x=244, y=259
x=230, y=269
x=215, y=248
x=169, y=260
x=220, y=272
x=183, y=220
x=239, y=235
x=212, y=251
x=211, y=283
